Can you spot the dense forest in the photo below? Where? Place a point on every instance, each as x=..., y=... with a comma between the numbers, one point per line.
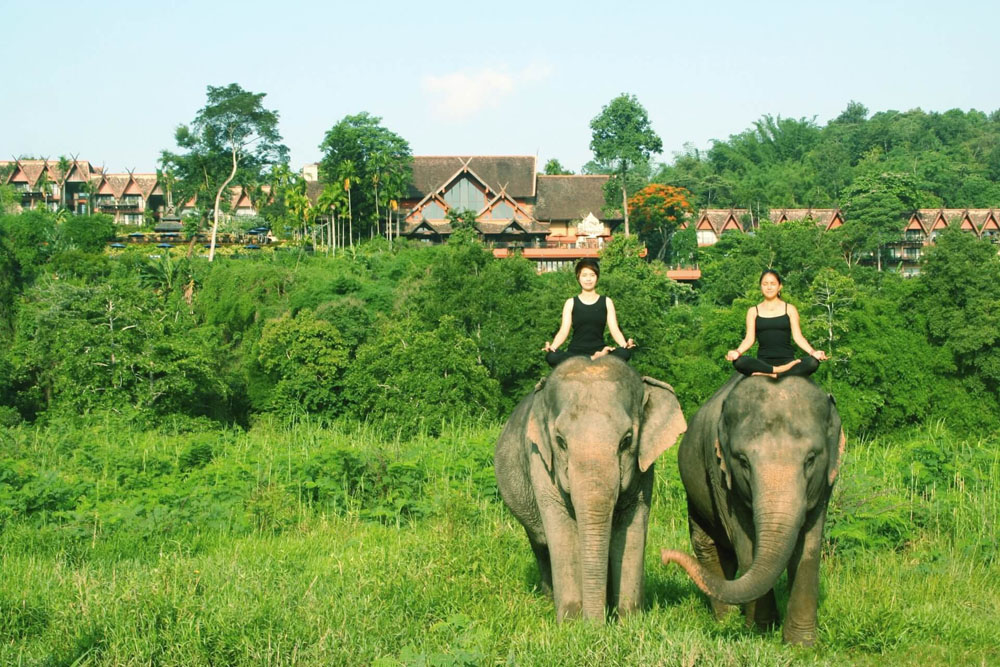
x=949, y=159
x=420, y=336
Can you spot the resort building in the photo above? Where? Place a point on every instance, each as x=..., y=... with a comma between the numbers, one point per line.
x=920, y=229
x=84, y=188
x=552, y=220
x=42, y=183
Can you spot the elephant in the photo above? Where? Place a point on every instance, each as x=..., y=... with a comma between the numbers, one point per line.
x=758, y=466
x=574, y=463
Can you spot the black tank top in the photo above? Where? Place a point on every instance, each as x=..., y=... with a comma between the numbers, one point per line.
x=774, y=338
x=588, y=325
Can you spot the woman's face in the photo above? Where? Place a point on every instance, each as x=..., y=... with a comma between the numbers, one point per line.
x=587, y=278
x=770, y=287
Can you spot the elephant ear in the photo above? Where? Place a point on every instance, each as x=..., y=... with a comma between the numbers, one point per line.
x=835, y=441
x=662, y=421
x=536, y=430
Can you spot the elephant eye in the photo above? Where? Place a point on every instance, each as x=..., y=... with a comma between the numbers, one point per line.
x=810, y=460
x=744, y=461
x=626, y=441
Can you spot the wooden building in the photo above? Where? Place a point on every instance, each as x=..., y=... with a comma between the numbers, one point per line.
x=41, y=182
x=553, y=220
x=128, y=197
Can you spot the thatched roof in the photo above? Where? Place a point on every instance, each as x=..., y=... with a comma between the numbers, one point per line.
x=513, y=174
x=572, y=198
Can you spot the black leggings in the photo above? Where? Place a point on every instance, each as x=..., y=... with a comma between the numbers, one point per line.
x=749, y=365
x=556, y=357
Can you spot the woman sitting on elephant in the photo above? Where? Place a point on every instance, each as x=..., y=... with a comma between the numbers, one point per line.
x=774, y=324
x=587, y=314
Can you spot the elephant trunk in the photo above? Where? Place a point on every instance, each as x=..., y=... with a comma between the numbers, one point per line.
x=594, y=498
x=777, y=533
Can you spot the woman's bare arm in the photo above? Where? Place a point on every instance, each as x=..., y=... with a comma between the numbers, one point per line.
x=564, y=327
x=800, y=340
x=616, y=332
x=748, y=339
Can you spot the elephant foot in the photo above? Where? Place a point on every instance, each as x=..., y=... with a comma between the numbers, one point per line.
x=568, y=610
x=720, y=609
x=762, y=613
x=799, y=636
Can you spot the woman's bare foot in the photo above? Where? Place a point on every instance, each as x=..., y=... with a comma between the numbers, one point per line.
x=600, y=353
x=785, y=367
x=773, y=376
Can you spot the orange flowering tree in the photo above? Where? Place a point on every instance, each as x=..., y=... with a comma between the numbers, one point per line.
x=658, y=210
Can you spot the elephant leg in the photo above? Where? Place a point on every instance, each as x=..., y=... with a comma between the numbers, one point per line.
x=762, y=613
x=713, y=558
x=564, y=557
x=541, y=552
x=803, y=585
x=626, y=568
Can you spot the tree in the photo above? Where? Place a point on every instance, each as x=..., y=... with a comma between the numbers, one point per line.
x=409, y=377
x=554, y=168
x=380, y=162
x=64, y=166
x=959, y=292
x=623, y=139
x=304, y=358
x=90, y=233
x=875, y=209
x=232, y=133
x=658, y=210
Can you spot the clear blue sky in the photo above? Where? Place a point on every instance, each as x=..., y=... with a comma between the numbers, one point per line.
x=111, y=80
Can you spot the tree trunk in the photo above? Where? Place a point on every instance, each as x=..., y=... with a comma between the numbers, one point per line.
x=350, y=220
x=218, y=199
x=625, y=204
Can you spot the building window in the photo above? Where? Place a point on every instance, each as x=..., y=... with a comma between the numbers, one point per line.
x=706, y=237
x=433, y=211
x=464, y=195
x=502, y=211
x=914, y=235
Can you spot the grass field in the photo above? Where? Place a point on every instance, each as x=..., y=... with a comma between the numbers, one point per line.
x=313, y=544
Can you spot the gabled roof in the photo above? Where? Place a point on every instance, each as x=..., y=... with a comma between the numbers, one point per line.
x=118, y=183
x=32, y=170
x=720, y=219
x=503, y=198
x=977, y=216
x=515, y=174
x=427, y=228
x=148, y=185
x=931, y=218
x=520, y=227
x=827, y=218
x=990, y=222
x=571, y=197
x=915, y=222
x=132, y=188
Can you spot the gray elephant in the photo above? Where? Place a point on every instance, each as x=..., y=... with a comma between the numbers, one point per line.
x=758, y=465
x=574, y=464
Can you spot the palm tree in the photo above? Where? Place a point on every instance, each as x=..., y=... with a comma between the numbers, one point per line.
x=346, y=172
x=44, y=184
x=64, y=166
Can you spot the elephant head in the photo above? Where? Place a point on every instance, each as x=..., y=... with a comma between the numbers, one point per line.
x=598, y=426
x=777, y=452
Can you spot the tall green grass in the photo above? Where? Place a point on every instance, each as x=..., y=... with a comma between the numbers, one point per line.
x=313, y=543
